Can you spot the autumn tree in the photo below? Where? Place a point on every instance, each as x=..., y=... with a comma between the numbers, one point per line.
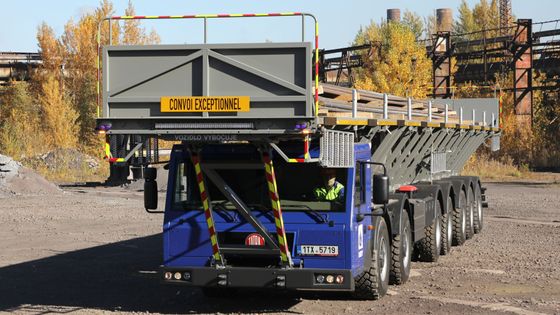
x=133, y=33
x=58, y=116
x=79, y=40
x=400, y=66
x=20, y=132
x=58, y=105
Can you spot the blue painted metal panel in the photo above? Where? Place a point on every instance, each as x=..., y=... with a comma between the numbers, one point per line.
x=186, y=241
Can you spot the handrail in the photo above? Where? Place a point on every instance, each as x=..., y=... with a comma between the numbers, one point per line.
x=205, y=17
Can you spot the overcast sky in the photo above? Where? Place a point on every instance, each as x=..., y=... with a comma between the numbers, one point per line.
x=338, y=20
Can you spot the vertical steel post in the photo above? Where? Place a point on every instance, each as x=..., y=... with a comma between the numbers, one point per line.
x=446, y=117
x=205, y=30
x=409, y=108
x=461, y=115
x=493, y=124
x=484, y=118
x=303, y=28
x=429, y=111
x=385, y=106
x=354, y=103
x=473, y=117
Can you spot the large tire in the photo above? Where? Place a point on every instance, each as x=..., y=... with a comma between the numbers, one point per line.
x=478, y=211
x=470, y=214
x=460, y=220
x=401, y=252
x=429, y=247
x=373, y=283
x=447, y=228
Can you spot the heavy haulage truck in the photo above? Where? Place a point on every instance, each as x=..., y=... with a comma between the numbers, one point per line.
x=254, y=132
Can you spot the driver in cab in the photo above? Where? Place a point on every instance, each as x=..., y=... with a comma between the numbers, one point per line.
x=331, y=190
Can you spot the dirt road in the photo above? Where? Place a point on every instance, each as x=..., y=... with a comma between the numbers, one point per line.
x=95, y=250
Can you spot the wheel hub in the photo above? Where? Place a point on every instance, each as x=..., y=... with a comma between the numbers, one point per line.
x=438, y=233
x=406, y=247
x=383, y=258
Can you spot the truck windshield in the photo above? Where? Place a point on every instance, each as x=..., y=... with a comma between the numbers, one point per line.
x=302, y=187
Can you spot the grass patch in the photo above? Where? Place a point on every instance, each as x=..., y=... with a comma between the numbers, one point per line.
x=68, y=165
x=486, y=167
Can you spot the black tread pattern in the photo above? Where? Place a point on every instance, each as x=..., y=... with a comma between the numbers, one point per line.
x=458, y=212
x=367, y=284
x=427, y=247
x=478, y=221
x=398, y=275
x=445, y=243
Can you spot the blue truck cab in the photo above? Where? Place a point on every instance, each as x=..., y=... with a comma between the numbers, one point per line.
x=327, y=244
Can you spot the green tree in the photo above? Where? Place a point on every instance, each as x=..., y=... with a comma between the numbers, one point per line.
x=414, y=22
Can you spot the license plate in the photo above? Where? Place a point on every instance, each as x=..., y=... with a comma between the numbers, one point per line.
x=196, y=104
x=317, y=250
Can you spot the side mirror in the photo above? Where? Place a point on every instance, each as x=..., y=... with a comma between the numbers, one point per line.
x=150, y=188
x=380, y=189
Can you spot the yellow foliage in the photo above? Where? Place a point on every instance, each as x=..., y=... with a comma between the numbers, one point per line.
x=20, y=134
x=58, y=116
x=399, y=66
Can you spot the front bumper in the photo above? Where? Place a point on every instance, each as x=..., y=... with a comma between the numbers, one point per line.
x=245, y=277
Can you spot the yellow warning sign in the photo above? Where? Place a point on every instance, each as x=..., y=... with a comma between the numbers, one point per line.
x=191, y=104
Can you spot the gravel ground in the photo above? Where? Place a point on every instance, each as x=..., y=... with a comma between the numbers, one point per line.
x=94, y=250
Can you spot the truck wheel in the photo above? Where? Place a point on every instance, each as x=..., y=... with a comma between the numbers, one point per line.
x=429, y=247
x=460, y=220
x=478, y=212
x=373, y=283
x=447, y=228
x=401, y=252
x=470, y=214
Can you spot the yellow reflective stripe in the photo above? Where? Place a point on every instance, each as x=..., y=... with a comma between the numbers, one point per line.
x=273, y=189
x=386, y=122
x=262, y=14
x=362, y=122
x=206, y=16
x=151, y=17
x=127, y=17
x=176, y=16
x=433, y=124
x=450, y=125
x=412, y=123
x=236, y=15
